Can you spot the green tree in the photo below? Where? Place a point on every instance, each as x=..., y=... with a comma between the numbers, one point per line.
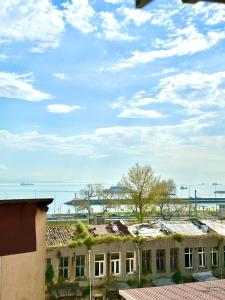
x=138, y=186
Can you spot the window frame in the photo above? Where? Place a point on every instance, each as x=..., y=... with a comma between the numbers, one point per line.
x=80, y=266
x=161, y=259
x=174, y=259
x=114, y=263
x=100, y=262
x=190, y=258
x=146, y=260
x=214, y=250
x=201, y=257
x=63, y=268
x=130, y=260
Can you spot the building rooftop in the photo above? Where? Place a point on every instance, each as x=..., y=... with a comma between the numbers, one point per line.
x=216, y=225
x=59, y=235
x=208, y=290
x=146, y=230
x=182, y=227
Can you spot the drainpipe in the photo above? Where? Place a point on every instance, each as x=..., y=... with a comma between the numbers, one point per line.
x=89, y=274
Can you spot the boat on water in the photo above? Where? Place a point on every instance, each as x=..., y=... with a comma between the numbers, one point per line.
x=26, y=183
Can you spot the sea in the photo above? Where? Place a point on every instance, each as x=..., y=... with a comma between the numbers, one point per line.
x=66, y=191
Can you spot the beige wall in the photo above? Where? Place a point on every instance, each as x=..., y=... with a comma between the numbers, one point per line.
x=22, y=275
x=194, y=242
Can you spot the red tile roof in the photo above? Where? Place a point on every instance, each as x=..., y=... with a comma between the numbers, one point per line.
x=59, y=236
x=209, y=290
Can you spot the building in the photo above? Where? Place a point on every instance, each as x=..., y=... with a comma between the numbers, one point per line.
x=210, y=290
x=22, y=248
x=113, y=257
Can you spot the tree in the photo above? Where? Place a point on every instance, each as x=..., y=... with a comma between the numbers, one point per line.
x=138, y=184
x=91, y=191
x=164, y=191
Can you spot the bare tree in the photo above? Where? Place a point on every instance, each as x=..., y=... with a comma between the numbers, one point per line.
x=91, y=191
x=164, y=191
x=138, y=185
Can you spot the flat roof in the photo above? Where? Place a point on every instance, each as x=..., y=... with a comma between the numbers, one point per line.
x=208, y=290
x=42, y=203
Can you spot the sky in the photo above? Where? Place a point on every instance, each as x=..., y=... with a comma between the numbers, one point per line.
x=89, y=88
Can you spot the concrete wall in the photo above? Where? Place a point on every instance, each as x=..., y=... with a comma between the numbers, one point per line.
x=194, y=242
x=22, y=275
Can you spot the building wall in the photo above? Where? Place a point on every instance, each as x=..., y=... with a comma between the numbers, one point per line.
x=22, y=275
x=167, y=243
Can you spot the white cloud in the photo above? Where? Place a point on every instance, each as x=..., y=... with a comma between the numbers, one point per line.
x=138, y=16
x=61, y=108
x=3, y=167
x=139, y=113
x=185, y=41
x=17, y=86
x=61, y=76
x=114, y=1
x=112, y=28
x=80, y=15
x=38, y=22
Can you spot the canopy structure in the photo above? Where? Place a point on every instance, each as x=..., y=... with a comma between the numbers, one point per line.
x=65, y=291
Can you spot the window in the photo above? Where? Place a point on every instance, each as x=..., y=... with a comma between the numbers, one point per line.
x=173, y=259
x=188, y=258
x=80, y=265
x=115, y=263
x=201, y=257
x=64, y=267
x=130, y=263
x=160, y=260
x=214, y=256
x=99, y=265
x=146, y=261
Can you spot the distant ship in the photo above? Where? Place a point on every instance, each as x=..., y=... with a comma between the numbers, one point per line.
x=26, y=183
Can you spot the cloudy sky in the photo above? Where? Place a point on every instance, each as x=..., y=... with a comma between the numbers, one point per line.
x=88, y=88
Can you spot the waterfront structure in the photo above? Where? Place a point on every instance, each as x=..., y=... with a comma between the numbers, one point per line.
x=22, y=248
x=116, y=256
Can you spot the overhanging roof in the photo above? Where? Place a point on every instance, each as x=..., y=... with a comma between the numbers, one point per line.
x=66, y=290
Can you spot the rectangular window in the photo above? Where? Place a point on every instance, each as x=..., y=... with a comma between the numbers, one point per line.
x=80, y=265
x=160, y=260
x=99, y=265
x=173, y=259
x=214, y=256
x=188, y=258
x=64, y=267
x=115, y=263
x=201, y=257
x=146, y=261
x=130, y=263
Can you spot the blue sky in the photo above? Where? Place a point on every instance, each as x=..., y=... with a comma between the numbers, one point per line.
x=89, y=88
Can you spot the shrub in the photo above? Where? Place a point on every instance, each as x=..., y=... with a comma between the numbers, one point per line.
x=49, y=274
x=177, y=277
x=178, y=237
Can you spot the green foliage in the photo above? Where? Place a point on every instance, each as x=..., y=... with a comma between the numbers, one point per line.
x=145, y=271
x=177, y=277
x=49, y=274
x=81, y=230
x=143, y=283
x=61, y=280
x=178, y=236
